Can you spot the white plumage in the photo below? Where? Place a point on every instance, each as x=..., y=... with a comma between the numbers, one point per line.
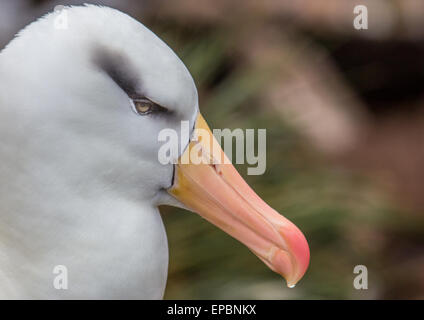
x=78, y=165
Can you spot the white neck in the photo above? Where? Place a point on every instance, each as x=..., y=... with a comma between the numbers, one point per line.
x=112, y=248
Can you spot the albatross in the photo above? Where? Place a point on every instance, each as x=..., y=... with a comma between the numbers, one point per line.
x=81, y=108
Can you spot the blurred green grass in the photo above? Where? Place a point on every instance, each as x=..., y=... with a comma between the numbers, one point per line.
x=346, y=218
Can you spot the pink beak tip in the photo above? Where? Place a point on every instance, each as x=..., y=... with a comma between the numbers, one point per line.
x=299, y=252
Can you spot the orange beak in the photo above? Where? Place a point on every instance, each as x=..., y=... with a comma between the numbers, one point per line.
x=215, y=190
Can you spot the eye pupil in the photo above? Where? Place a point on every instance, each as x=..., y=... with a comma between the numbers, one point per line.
x=142, y=107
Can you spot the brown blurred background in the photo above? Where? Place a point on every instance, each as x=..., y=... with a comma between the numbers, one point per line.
x=344, y=113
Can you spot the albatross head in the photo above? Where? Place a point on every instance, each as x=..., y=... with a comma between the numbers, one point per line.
x=106, y=89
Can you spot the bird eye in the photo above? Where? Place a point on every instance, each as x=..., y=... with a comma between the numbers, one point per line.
x=143, y=106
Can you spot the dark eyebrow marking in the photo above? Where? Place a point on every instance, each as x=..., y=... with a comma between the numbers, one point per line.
x=119, y=68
